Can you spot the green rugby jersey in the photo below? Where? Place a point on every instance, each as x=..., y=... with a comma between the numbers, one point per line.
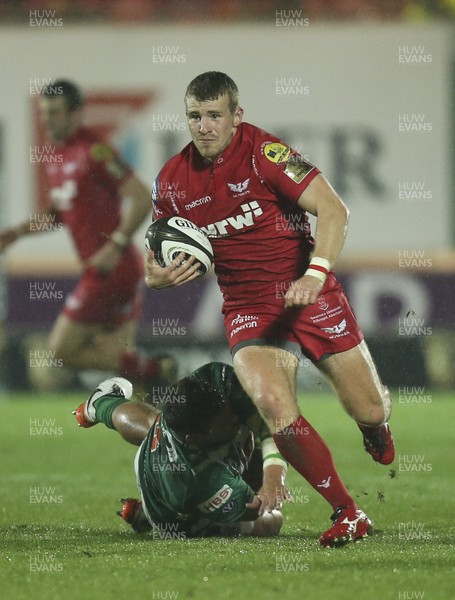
x=182, y=483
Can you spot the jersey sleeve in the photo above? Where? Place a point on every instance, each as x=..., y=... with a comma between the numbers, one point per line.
x=108, y=165
x=283, y=169
x=222, y=494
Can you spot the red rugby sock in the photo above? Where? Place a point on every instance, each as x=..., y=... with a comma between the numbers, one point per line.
x=306, y=451
x=139, y=367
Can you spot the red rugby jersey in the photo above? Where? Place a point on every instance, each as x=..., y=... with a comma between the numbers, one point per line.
x=246, y=201
x=83, y=178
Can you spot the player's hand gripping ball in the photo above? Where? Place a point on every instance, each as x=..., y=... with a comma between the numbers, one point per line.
x=169, y=236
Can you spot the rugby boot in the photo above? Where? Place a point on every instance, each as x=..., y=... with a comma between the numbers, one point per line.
x=378, y=442
x=349, y=525
x=116, y=386
x=133, y=514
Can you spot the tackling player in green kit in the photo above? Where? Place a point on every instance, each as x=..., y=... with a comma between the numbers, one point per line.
x=197, y=468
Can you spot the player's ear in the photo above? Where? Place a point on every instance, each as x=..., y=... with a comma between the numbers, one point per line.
x=238, y=116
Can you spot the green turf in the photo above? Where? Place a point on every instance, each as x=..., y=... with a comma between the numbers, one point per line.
x=74, y=546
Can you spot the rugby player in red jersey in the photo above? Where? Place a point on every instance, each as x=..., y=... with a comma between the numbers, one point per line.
x=250, y=192
x=86, y=184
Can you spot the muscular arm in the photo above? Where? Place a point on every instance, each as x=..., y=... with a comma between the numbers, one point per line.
x=133, y=421
x=108, y=255
x=320, y=200
x=139, y=208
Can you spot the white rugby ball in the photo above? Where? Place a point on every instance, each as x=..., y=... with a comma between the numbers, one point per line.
x=169, y=236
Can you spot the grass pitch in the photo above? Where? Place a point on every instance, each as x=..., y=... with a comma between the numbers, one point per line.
x=60, y=537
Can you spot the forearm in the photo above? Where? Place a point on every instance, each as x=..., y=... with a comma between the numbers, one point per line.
x=133, y=421
x=331, y=229
x=31, y=226
x=139, y=208
x=321, y=200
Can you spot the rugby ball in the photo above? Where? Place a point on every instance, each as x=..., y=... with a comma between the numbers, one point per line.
x=169, y=236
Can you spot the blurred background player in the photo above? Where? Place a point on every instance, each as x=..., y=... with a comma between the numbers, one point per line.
x=86, y=184
x=281, y=297
x=196, y=466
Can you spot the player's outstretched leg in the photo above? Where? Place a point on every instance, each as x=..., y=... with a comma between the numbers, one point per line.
x=116, y=387
x=354, y=376
x=350, y=524
x=301, y=445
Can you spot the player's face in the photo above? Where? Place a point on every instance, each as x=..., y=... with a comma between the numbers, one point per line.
x=212, y=124
x=59, y=122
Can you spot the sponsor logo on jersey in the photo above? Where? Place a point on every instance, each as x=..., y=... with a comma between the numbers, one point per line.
x=240, y=189
x=239, y=319
x=328, y=313
x=198, y=202
x=236, y=222
x=297, y=168
x=323, y=305
x=337, y=330
x=275, y=152
x=216, y=500
x=247, y=325
x=229, y=507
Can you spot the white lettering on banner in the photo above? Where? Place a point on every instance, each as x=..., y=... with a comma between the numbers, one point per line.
x=361, y=160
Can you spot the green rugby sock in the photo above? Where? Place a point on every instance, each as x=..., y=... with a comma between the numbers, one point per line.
x=104, y=407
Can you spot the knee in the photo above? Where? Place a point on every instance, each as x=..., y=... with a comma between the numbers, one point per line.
x=278, y=408
x=378, y=410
